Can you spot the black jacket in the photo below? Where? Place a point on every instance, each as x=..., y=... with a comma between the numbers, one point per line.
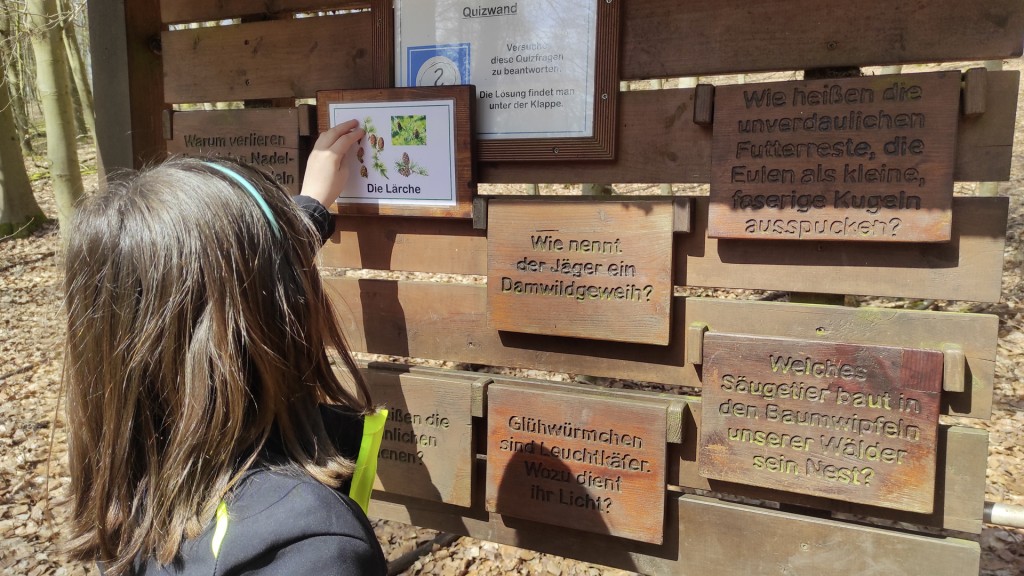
x=321, y=217
x=282, y=524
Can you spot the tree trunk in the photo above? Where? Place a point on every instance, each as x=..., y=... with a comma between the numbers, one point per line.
x=10, y=58
x=55, y=94
x=19, y=212
x=79, y=71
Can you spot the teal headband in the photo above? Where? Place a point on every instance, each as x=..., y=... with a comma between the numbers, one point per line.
x=248, y=187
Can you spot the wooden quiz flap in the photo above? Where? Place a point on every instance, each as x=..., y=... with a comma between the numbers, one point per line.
x=843, y=421
x=589, y=461
x=427, y=451
x=850, y=159
x=599, y=269
x=265, y=138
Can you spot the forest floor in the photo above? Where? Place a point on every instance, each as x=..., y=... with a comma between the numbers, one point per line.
x=33, y=455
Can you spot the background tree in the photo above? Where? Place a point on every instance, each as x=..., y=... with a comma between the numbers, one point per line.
x=54, y=92
x=14, y=66
x=19, y=212
x=70, y=11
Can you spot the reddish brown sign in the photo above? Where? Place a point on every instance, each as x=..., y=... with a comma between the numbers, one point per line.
x=427, y=447
x=865, y=159
x=265, y=138
x=600, y=270
x=843, y=421
x=584, y=462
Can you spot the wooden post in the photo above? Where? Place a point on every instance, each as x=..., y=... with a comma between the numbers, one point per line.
x=990, y=188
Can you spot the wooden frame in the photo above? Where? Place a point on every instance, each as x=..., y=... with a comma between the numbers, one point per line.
x=464, y=177
x=600, y=145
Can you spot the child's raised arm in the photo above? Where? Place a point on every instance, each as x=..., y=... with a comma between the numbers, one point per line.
x=326, y=170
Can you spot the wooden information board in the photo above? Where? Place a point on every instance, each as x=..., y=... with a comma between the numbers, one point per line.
x=600, y=269
x=264, y=138
x=580, y=461
x=864, y=159
x=427, y=448
x=843, y=421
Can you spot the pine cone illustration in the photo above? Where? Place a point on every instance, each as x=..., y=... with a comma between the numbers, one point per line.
x=363, y=172
x=360, y=153
x=380, y=143
x=405, y=158
x=416, y=133
x=373, y=140
x=405, y=172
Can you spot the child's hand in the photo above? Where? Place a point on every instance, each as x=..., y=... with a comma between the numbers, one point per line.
x=326, y=169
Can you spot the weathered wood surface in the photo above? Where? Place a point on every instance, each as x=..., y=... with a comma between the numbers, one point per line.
x=427, y=449
x=142, y=97
x=969, y=267
x=599, y=270
x=843, y=421
x=707, y=536
x=977, y=334
x=109, y=54
x=448, y=322
x=658, y=142
x=175, y=11
x=960, y=455
x=669, y=38
x=959, y=480
x=578, y=461
x=274, y=59
x=867, y=159
x=657, y=139
x=446, y=246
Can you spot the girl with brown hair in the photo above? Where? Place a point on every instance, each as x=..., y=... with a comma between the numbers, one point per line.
x=198, y=358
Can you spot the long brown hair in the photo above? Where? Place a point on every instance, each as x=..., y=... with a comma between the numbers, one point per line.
x=197, y=336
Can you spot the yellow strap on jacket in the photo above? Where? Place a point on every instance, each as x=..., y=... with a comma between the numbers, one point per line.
x=220, y=528
x=366, y=462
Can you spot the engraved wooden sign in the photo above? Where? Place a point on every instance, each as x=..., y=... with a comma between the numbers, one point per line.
x=600, y=269
x=850, y=422
x=585, y=462
x=864, y=159
x=266, y=138
x=427, y=448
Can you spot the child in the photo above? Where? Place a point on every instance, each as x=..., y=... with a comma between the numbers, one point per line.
x=196, y=363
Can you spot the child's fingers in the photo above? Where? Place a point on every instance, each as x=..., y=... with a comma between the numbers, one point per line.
x=329, y=137
x=342, y=145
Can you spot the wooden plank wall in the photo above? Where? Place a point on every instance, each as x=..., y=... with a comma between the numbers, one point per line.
x=258, y=53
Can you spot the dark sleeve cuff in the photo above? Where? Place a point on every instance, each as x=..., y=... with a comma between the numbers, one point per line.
x=321, y=218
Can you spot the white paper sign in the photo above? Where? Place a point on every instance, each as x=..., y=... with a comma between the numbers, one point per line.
x=407, y=156
x=532, y=61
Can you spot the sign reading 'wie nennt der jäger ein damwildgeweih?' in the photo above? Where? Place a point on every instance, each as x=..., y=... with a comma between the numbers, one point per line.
x=532, y=62
x=861, y=159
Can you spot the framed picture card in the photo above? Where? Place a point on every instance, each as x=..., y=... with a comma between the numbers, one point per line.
x=416, y=157
x=546, y=73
